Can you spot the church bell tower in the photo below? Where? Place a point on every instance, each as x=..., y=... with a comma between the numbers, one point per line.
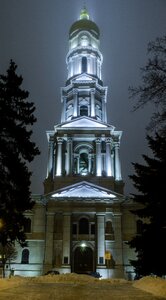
x=83, y=187
x=84, y=146
x=82, y=222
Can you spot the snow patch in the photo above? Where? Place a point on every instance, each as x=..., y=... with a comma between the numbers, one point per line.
x=154, y=285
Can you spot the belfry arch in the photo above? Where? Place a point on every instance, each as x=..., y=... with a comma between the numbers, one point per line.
x=84, y=159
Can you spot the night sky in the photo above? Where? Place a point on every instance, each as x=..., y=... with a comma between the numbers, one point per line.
x=34, y=33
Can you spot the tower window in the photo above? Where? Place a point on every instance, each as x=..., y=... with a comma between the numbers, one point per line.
x=84, y=64
x=83, y=110
x=84, y=41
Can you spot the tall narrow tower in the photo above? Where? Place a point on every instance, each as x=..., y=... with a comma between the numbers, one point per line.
x=84, y=146
x=84, y=188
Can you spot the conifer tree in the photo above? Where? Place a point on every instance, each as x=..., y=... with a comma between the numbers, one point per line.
x=149, y=180
x=16, y=151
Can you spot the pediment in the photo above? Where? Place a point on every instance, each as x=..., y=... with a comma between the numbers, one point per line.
x=84, y=122
x=83, y=77
x=84, y=190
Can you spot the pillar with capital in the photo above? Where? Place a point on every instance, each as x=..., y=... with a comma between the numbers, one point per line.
x=108, y=157
x=92, y=103
x=117, y=163
x=75, y=96
x=69, y=156
x=100, y=238
x=98, y=157
x=59, y=158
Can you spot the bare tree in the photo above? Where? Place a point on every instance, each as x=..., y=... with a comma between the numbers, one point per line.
x=8, y=253
x=153, y=87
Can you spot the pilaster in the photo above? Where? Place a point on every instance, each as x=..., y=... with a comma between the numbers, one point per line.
x=66, y=239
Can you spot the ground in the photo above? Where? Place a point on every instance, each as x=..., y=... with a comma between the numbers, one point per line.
x=79, y=287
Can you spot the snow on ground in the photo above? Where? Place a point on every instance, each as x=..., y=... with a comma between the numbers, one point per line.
x=155, y=286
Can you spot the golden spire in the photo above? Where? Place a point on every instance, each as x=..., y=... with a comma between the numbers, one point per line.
x=84, y=13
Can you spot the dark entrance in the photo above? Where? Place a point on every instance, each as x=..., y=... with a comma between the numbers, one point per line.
x=83, y=260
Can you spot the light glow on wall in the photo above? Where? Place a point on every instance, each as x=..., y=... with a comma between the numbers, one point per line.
x=83, y=245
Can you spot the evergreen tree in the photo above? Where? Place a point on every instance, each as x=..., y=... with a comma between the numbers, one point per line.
x=16, y=150
x=149, y=180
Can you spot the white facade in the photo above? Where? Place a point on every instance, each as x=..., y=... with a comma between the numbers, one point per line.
x=83, y=221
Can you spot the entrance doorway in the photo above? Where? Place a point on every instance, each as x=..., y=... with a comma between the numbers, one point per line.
x=83, y=260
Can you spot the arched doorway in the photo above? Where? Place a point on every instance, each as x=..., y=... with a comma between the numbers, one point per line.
x=83, y=260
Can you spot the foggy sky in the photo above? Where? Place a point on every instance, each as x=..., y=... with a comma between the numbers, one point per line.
x=34, y=33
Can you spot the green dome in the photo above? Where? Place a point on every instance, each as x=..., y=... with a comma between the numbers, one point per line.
x=84, y=24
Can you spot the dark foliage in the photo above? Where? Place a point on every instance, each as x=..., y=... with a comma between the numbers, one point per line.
x=8, y=253
x=149, y=180
x=153, y=87
x=16, y=150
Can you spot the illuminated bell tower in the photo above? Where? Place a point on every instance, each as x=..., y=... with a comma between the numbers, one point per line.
x=83, y=187
x=82, y=222
x=84, y=146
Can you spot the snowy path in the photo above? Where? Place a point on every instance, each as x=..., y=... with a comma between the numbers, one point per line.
x=74, y=291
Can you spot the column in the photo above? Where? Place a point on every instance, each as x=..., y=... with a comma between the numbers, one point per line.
x=78, y=164
x=90, y=163
x=108, y=157
x=75, y=96
x=50, y=158
x=93, y=103
x=59, y=158
x=69, y=156
x=100, y=238
x=66, y=239
x=117, y=163
x=98, y=157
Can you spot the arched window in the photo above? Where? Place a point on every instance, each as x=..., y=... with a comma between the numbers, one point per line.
x=83, y=110
x=83, y=226
x=109, y=231
x=25, y=256
x=27, y=225
x=84, y=41
x=84, y=64
x=109, y=228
